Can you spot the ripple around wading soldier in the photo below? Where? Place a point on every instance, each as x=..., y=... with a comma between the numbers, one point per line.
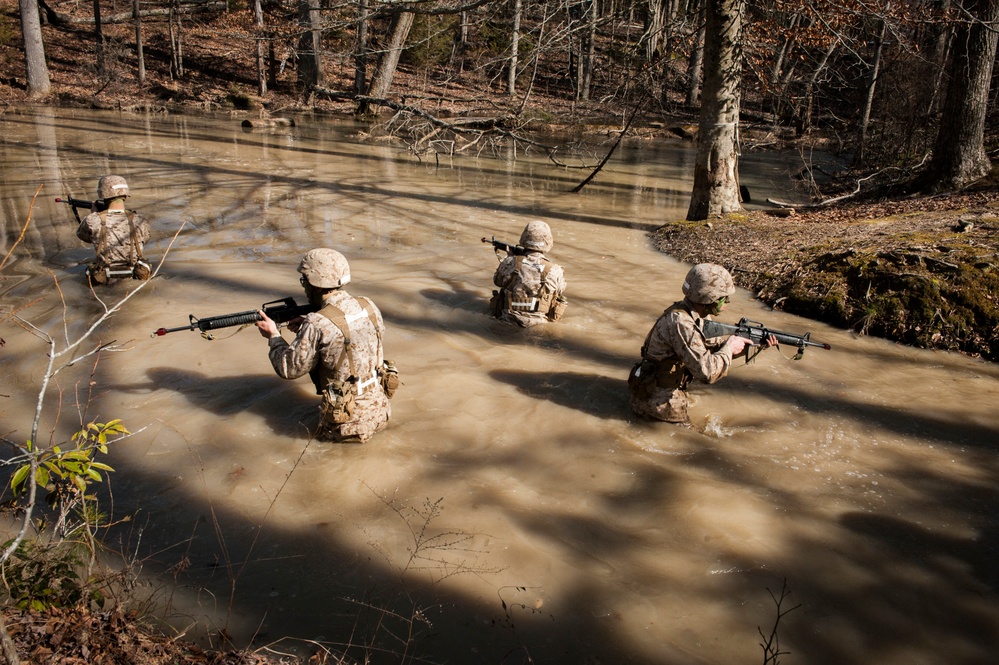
x=117, y=234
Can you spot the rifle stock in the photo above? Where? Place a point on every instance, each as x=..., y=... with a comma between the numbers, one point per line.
x=280, y=311
x=499, y=246
x=756, y=332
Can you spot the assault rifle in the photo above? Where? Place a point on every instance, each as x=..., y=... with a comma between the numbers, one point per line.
x=100, y=205
x=515, y=250
x=279, y=311
x=756, y=333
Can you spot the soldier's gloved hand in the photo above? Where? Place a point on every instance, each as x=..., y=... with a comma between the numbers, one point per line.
x=266, y=326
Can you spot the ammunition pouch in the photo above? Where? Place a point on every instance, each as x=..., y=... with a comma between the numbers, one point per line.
x=557, y=308
x=339, y=402
x=101, y=272
x=388, y=375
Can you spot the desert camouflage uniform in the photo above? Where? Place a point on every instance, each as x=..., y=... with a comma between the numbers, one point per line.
x=118, y=247
x=525, y=284
x=316, y=350
x=676, y=336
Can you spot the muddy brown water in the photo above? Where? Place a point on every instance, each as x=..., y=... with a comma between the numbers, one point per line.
x=514, y=511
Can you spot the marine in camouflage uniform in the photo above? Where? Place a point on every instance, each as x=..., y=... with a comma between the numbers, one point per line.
x=531, y=286
x=118, y=235
x=676, y=351
x=320, y=350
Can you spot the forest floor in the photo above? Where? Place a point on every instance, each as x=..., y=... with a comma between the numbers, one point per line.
x=916, y=269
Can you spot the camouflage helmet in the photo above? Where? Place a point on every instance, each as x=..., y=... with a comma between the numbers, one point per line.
x=537, y=236
x=325, y=268
x=707, y=283
x=112, y=187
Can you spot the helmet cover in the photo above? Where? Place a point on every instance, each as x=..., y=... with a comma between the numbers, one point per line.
x=537, y=236
x=112, y=187
x=707, y=283
x=325, y=268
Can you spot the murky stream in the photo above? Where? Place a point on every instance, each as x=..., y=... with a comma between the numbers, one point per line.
x=514, y=511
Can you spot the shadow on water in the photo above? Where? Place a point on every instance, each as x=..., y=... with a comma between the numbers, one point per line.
x=285, y=406
x=600, y=396
x=895, y=420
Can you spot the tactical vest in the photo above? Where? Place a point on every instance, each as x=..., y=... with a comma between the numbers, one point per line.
x=519, y=298
x=669, y=373
x=102, y=269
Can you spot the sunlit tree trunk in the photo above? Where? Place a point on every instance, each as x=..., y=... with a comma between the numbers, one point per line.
x=310, y=66
x=34, y=50
x=959, y=156
x=511, y=81
x=390, y=59
x=591, y=47
x=716, y=169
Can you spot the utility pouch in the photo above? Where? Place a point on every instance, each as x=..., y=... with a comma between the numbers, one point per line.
x=642, y=378
x=496, y=304
x=389, y=376
x=141, y=271
x=97, y=272
x=672, y=376
x=557, y=309
x=338, y=402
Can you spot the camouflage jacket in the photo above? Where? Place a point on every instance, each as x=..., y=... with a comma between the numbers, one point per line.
x=677, y=334
x=118, y=247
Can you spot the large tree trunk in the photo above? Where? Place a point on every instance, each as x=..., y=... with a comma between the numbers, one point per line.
x=716, y=169
x=959, y=156
x=34, y=50
x=390, y=59
x=310, y=66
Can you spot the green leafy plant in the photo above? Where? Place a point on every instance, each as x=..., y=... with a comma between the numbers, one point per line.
x=41, y=577
x=66, y=475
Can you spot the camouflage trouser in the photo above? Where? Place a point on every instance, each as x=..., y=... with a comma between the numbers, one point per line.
x=658, y=394
x=667, y=405
x=371, y=415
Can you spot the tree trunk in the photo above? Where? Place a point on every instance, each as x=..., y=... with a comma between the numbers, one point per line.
x=805, y=112
x=141, y=75
x=696, y=61
x=716, y=169
x=258, y=22
x=865, y=113
x=591, y=46
x=653, y=29
x=99, y=38
x=511, y=80
x=390, y=59
x=361, y=50
x=38, y=82
x=310, y=66
x=959, y=156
